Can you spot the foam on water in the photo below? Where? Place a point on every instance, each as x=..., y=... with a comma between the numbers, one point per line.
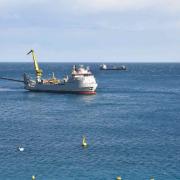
x=8, y=89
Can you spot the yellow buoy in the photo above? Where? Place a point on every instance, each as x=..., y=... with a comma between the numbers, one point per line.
x=118, y=178
x=84, y=143
x=33, y=178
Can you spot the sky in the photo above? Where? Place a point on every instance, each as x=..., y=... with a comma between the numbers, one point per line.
x=90, y=30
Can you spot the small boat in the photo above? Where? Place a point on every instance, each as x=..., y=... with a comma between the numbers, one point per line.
x=105, y=67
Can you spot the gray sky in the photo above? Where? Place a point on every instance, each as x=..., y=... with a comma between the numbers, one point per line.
x=90, y=30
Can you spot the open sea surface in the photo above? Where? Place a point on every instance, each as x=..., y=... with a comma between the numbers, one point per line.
x=132, y=125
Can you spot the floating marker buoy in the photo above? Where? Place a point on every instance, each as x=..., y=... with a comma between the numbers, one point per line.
x=84, y=143
x=118, y=178
x=33, y=178
x=20, y=148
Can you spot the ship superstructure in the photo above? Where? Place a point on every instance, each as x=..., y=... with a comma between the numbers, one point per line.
x=80, y=81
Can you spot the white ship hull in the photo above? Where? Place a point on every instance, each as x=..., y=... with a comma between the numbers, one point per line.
x=66, y=88
x=72, y=86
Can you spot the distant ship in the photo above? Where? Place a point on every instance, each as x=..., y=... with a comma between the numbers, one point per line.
x=105, y=67
x=80, y=81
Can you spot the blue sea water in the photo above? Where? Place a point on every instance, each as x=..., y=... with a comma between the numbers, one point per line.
x=132, y=125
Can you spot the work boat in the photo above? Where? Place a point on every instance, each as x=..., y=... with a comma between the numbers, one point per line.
x=80, y=81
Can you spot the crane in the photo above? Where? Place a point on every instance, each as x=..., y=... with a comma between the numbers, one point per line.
x=36, y=66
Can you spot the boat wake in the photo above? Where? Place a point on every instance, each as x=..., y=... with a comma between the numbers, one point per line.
x=10, y=89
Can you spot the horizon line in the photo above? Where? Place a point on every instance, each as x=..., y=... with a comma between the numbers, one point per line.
x=92, y=62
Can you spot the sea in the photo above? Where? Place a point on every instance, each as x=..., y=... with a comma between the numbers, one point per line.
x=132, y=125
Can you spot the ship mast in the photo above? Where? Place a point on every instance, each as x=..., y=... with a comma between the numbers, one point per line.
x=36, y=66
